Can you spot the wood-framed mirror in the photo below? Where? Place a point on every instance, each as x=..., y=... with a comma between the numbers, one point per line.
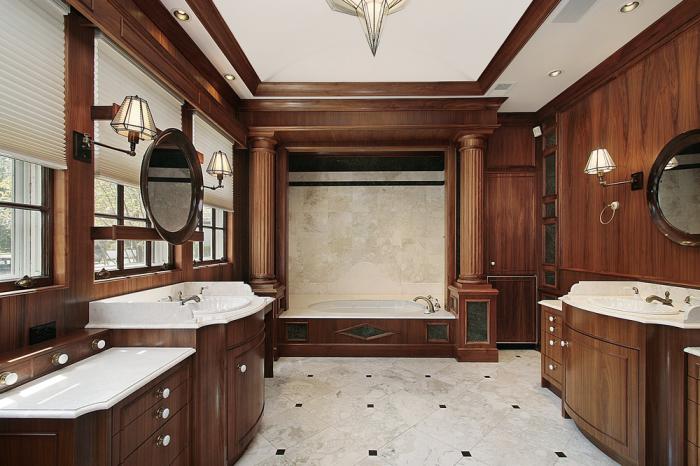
x=673, y=192
x=171, y=186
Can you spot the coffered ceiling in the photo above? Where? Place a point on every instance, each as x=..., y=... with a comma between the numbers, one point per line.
x=431, y=48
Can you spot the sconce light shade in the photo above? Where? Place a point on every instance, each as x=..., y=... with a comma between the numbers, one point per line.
x=599, y=162
x=219, y=165
x=134, y=119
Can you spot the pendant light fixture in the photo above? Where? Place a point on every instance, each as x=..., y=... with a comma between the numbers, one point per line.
x=371, y=14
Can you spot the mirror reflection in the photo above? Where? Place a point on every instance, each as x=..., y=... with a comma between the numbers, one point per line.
x=679, y=190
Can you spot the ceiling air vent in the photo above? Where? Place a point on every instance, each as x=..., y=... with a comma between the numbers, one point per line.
x=501, y=89
x=573, y=11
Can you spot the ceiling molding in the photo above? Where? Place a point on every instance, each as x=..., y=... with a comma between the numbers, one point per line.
x=370, y=105
x=661, y=32
x=214, y=23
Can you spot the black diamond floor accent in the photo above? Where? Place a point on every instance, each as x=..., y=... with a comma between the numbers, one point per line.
x=515, y=406
x=487, y=376
x=370, y=405
x=368, y=376
x=280, y=452
x=310, y=375
x=517, y=355
x=427, y=376
x=298, y=405
x=443, y=406
x=466, y=454
x=373, y=453
x=560, y=454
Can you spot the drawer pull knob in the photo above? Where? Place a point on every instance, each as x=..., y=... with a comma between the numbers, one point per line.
x=242, y=368
x=564, y=344
x=551, y=318
x=163, y=393
x=163, y=440
x=8, y=378
x=59, y=359
x=551, y=329
x=98, y=344
x=552, y=367
x=551, y=342
x=163, y=413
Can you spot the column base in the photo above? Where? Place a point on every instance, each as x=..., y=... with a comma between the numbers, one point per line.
x=474, y=305
x=476, y=354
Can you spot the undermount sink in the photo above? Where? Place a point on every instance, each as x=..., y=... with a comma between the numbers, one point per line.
x=633, y=304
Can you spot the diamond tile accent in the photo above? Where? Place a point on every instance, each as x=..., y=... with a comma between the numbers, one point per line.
x=365, y=332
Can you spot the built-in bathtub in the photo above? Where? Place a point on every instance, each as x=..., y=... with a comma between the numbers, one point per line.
x=366, y=327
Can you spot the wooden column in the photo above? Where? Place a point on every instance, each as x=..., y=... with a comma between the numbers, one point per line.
x=471, y=200
x=262, y=211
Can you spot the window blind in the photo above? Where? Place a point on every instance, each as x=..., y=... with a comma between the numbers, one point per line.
x=207, y=139
x=32, y=77
x=116, y=76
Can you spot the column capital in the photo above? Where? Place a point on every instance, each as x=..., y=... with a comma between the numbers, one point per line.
x=471, y=141
x=262, y=140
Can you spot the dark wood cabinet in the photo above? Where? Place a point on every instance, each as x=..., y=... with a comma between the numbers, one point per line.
x=517, y=309
x=551, y=321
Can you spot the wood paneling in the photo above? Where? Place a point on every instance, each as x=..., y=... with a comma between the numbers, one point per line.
x=511, y=147
x=517, y=311
x=633, y=116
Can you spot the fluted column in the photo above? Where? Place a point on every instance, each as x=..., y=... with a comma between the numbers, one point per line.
x=262, y=211
x=471, y=201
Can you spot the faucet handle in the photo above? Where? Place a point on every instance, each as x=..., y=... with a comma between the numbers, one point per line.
x=437, y=304
x=667, y=294
x=201, y=290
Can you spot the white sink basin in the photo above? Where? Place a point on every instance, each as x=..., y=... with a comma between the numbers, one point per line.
x=633, y=304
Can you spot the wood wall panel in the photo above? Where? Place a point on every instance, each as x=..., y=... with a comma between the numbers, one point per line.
x=633, y=116
x=511, y=147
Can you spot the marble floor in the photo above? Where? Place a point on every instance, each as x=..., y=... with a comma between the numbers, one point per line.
x=394, y=411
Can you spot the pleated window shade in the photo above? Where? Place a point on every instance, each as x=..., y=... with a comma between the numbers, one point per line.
x=116, y=76
x=208, y=139
x=32, y=77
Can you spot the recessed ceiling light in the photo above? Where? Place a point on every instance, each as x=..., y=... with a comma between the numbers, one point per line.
x=230, y=77
x=629, y=6
x=554, y=73
x=181, y=15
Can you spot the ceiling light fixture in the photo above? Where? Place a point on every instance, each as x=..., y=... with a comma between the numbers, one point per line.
x=629, y=6
x=229, y=77
x=554, y=73
x=181, y=15
x=371, y=14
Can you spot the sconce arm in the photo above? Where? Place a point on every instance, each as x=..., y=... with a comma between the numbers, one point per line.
x=87, y=141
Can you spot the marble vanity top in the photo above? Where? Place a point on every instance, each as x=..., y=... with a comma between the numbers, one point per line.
x=694, y=350
x=96, y=383
x=552, y=303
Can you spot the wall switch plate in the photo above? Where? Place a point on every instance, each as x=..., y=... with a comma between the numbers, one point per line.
x=637, y=181
x=83, y=154
x=42, y=332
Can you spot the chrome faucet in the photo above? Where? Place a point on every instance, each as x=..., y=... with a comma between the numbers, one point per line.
x=429, y=300
x=667, y=301
x=183, y=301
x=201, y=290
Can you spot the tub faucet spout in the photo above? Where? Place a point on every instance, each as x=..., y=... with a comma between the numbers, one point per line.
x=429, y=300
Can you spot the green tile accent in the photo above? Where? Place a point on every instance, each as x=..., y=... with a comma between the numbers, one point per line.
x=550, y=175
x=297, y=331
x=550, y=278
x=365, y=331
x=550, y=210
x=550, y=243
x=438, y=332
x=477, y=321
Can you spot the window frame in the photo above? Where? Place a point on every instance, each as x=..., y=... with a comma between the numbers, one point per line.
x=47, y=227
x=120, y=217
x=199, y=261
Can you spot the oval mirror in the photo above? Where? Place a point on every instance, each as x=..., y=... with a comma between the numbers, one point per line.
x=171, y=186
x=673, y=193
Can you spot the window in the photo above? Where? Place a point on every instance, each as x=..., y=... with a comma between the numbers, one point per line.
x=25, y=223
x=213, y=249
x=116, y=204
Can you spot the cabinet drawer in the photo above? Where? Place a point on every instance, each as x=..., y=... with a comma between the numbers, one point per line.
x=692, y=415
x=183, y=459
x=157, y=391
x=137, y=432
x=552, y=328
x=164, y=445
x=552, y=348
x=553, y=369
x=240, y=331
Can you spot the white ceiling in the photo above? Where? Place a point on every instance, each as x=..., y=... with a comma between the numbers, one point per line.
x=304, y=40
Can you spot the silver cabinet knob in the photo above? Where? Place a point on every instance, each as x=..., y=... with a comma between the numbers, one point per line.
x=551, y=318
x=242, y=368
x=551, y=329
x=552, y=367
x=162, y=413
x=163, y=393
x=493, y=263
x=59, y=359
x=163, y=440
x=564, y=344
x=8, y=378
x=98, y=344
x=551, y=342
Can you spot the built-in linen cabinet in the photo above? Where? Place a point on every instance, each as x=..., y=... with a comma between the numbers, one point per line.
x=550, y=205
x=551, y=330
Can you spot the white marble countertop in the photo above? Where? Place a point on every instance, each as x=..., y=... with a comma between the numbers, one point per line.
x=93, y=384
x=553, y=303
x=694, y=350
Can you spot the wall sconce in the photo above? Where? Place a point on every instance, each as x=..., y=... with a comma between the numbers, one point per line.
x=600, y=162
x=219, y=166
x=132, y=120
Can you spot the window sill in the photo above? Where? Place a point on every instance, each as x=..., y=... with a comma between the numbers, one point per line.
x=28, y=291
x=209, y=265
x=135, y=275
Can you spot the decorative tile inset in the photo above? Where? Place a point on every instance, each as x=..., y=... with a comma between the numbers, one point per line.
x=515, y=406
x=438, y=332
x=280, y=452
x=365, y=332
x=466, y=454
x=443, y=406
x=370, y=405
x=477, y=321
x=298, y=405
x=297, y=331
x=560, y=454
x=373, y=453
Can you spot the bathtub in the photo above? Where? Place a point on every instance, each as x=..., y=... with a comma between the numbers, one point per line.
x=366, y=327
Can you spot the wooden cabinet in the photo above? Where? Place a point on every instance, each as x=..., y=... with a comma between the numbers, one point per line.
x=517, y=309
x=693, y=410
x=552, y=375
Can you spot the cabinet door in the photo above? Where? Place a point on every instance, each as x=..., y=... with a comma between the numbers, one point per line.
x=601, y=391
x=511, y=227
x=246, y=395
x=516, y=313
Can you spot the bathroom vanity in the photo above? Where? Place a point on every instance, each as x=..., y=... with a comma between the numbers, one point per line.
x=227, y=329
x=623, y=373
